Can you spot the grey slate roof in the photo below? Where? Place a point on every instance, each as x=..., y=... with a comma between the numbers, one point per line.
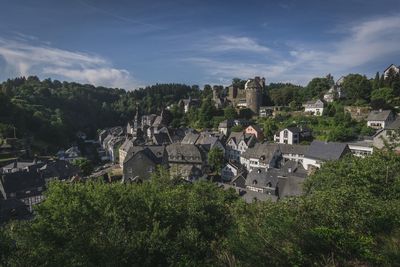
x=185, y=153
x=314, y=104
x=155, y=153
x=190, y=138
x=21, y=183
x=326, y=150
x=395, y=125
x=377, y=115
x=264, y=152
x=262, y=178
x=293, y=149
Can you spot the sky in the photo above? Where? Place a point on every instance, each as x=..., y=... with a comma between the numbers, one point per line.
x=134, y=43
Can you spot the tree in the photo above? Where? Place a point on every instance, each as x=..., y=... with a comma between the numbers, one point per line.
x=357, y=87
x=237, y=128
x=216, y=159
x=95, y=224
x=84, y=165
x=376, y=83
x=230, y=113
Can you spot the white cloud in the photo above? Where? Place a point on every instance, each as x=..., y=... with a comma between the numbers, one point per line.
x=26, y=59
x=363, y=43
x=227, y=43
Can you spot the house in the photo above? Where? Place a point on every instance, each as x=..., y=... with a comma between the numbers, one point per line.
x=293, y=152
x=314, y=107
x=320, y=152
x=141, y=161
x=361, y=148
x=335, y=92
x=112, y=147
x=225, y=126
x=391, y=69
x=237, y=144
x=379, y=119
x=27, y=186
x=186, y=161
x=232, y=170
x=256, y=131
x=293, y=135
x=190, y=138
x=291, y=180
x=58, y=170
x=386, y=134
x=248, y=196
x=262, y=180
x=22, y=166
x=123, y=150
x=265, y=112
x=186, y=104
x=209, y=140
x=261, y=156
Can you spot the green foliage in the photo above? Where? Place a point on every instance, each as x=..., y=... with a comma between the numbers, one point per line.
x=84, y=165
x=348, y=216
x=357, y=87
x=156, y=223
x=237, y=128
x=230, y=113
x=216, y=159
x=382, y=98
x=52, y=112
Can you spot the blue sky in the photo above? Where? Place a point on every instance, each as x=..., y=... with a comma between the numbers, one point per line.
x=128, y=44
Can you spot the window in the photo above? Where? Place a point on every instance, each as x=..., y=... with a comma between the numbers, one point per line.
x=285, y=134
x=254, y=182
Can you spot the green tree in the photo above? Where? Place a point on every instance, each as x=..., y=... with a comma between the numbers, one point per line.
x=357, y=87
x=97, y=224
x=84, y=165
x=216, y=159
x=230, y=113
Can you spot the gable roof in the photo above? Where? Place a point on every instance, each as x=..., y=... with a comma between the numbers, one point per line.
x=379, y=115
x=184, y=152
x=314, y=104
x=154, y=153
x=23, y=183
x=293, y=149
x=265, y=152
x=326, y=150
x=190, y=138
x=395, y=125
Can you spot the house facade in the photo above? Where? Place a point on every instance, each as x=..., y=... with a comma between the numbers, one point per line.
x=314, y=107
x=379, y=119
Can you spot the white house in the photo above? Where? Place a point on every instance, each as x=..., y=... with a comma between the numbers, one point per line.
x=292, y=135
x=314, y=107
x=392, y=67
x=361, y=148
x=262, y=156
x=379, y=119
x=385, y=135
x=230, y=171
x=293, y=152
x=237, y=144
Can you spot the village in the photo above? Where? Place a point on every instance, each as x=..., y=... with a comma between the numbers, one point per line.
x=236, y=155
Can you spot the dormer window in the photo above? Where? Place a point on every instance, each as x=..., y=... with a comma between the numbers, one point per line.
x=254, y=182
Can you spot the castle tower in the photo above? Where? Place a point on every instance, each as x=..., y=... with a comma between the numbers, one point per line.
x=253, y=89
x=215, y=92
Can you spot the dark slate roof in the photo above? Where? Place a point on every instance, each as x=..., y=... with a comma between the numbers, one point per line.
x=154, y=153
x=22, y=182
x=61, y=169
x=126, y=145
x=377, y=115
x=264, y=152
x=290, y=186
x=293, y=149
x=256, y=127
x=239, y=136
x=162, y=139
x=395, y=125
x=326, y=150
x=190, y=138
x=184, y=152
x=293, y=168
x=22, y=164
x=260, y=177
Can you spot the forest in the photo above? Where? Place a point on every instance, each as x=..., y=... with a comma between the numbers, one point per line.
x=348, y=216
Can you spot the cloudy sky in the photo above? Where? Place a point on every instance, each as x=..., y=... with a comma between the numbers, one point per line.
x=131, y=43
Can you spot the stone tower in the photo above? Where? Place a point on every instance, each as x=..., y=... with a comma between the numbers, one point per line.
x=253, y=90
